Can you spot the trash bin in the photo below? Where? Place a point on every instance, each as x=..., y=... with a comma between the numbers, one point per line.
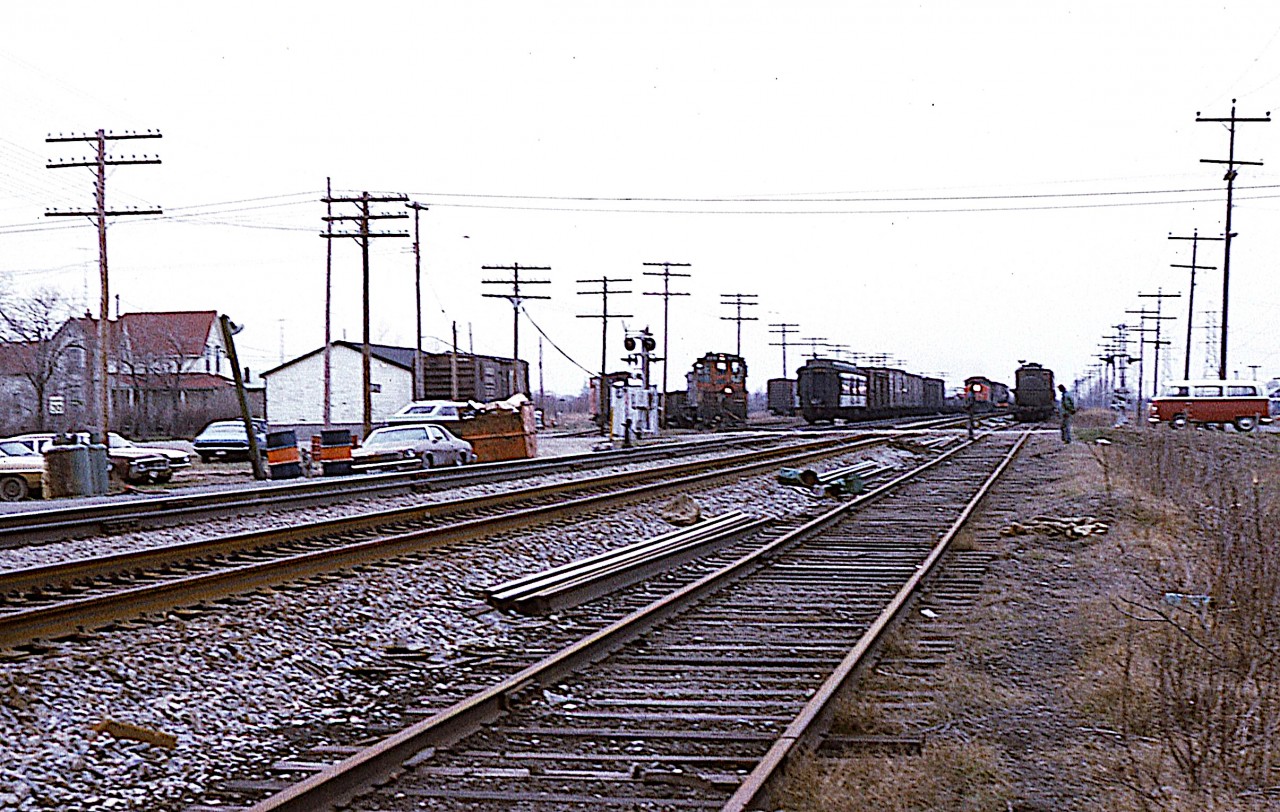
x=282, y=455
x=99, y=470
x=66, y=471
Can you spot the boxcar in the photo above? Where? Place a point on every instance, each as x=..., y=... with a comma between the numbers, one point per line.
x=1033, y=394
x=782, y=396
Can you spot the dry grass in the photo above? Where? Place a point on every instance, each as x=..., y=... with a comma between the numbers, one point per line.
x=950, y=776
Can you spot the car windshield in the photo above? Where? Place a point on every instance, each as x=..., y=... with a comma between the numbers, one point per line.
x=13, y=449
x=224, y=430
x=396, y=437
x=119, y=442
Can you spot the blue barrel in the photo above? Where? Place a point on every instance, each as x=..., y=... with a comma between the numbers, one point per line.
x=283, y=457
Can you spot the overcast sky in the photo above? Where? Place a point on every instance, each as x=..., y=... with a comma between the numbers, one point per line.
x=960, y=185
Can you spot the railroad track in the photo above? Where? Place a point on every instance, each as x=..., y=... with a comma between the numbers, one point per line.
x=146, y=512
x=65, y=599
x=695, y=700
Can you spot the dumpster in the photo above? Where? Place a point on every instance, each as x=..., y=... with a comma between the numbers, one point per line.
x=500, y=433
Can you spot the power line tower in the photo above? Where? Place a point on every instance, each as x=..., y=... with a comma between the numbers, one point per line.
x=100, y=213
x=1230, y=178
x=517, y=299
x=783, y=329
x=364, y=236
x=1191, y=296
x=666, y=293
x=1210, y=340
x=604, y=315
x=739, y=300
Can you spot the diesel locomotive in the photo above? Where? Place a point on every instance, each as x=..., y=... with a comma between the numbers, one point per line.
x=1033, y=393
x=716, y=393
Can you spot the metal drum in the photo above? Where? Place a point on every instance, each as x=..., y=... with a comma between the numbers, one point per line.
x=335, y=452
x=283, y=457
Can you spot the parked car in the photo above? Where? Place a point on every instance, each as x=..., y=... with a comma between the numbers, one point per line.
x=1243, y=404
x=430, y=411
x=227, y=440
x=133, y=464
x=21, y=472
x=178, y=459
x=408, y=447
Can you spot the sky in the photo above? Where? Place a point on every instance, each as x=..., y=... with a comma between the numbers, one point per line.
x=961, y=186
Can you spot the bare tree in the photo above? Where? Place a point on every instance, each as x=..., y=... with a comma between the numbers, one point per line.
x=30, y=326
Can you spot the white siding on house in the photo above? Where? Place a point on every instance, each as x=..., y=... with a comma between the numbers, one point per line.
x=295, y=393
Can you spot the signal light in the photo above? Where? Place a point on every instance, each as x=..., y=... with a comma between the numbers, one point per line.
x=629, y=343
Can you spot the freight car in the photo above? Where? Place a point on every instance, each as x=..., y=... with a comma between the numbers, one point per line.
x=830, y=390
x=987, y=395
x=1033, y=394
x=781, y=396
x=716, y=393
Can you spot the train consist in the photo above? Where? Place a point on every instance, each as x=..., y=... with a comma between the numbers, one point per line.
x=830, y=390
x=716, y=393
x=1033, y=393
x=987, y=395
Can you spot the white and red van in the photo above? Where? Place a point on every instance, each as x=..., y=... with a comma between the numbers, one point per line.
x=1243, y=404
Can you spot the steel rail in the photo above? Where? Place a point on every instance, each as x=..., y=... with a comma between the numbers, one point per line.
x=76, y=614
x=52, y=524
x=815, y=718
x=337, y=783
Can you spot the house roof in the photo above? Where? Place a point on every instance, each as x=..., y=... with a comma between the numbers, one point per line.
x=187, y=381
x=167, y=333
x=396, y=356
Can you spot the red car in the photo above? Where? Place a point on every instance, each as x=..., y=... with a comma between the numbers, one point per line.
x=1243, y=404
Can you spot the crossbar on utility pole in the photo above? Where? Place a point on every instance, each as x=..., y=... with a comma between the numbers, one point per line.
x=363, y=236
x=1159, y=296
x=517, y=299
x=100, y=213
x=813, y=342
x=1230, y=178
x=666, y=293
x=604, y=315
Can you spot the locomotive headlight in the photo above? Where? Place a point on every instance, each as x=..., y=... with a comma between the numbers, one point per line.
x=728, y=390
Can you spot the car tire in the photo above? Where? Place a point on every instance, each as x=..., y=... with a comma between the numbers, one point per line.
x=161, y=479
x=206, y=458
x=13, y=489
x=1246, y=424
x=427, y=464
x=1179, y=421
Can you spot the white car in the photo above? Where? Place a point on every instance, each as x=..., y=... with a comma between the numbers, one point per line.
x=430, y=411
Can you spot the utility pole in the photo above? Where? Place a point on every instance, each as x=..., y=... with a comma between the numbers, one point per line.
x=328, y=305
x=739, y=300
x=666, y=295
x=1159, y=296
x=604, y=315
x=1230, y=178
x=813, y=342
x=100, y=213
x=1191, y=296
x=517, y=299
x=419, y=370
x=783, y=329
x=363, y=236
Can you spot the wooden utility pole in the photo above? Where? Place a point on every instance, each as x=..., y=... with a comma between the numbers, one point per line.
x=1159, y=296
x=255, y=454
x=517, y=300
x=783, y=329
x=419, y=371
x=363, y=236
x=604, y=315
x=1230, y=178
x=666, y=293
x=1191, y=296
x=328, y=304
x=739, y=300
x=100, y=213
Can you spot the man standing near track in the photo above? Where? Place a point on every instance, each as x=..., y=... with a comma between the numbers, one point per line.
x=1068, y=407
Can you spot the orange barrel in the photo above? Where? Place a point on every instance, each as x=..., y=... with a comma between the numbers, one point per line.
x=282, y=455
x=335, y=452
